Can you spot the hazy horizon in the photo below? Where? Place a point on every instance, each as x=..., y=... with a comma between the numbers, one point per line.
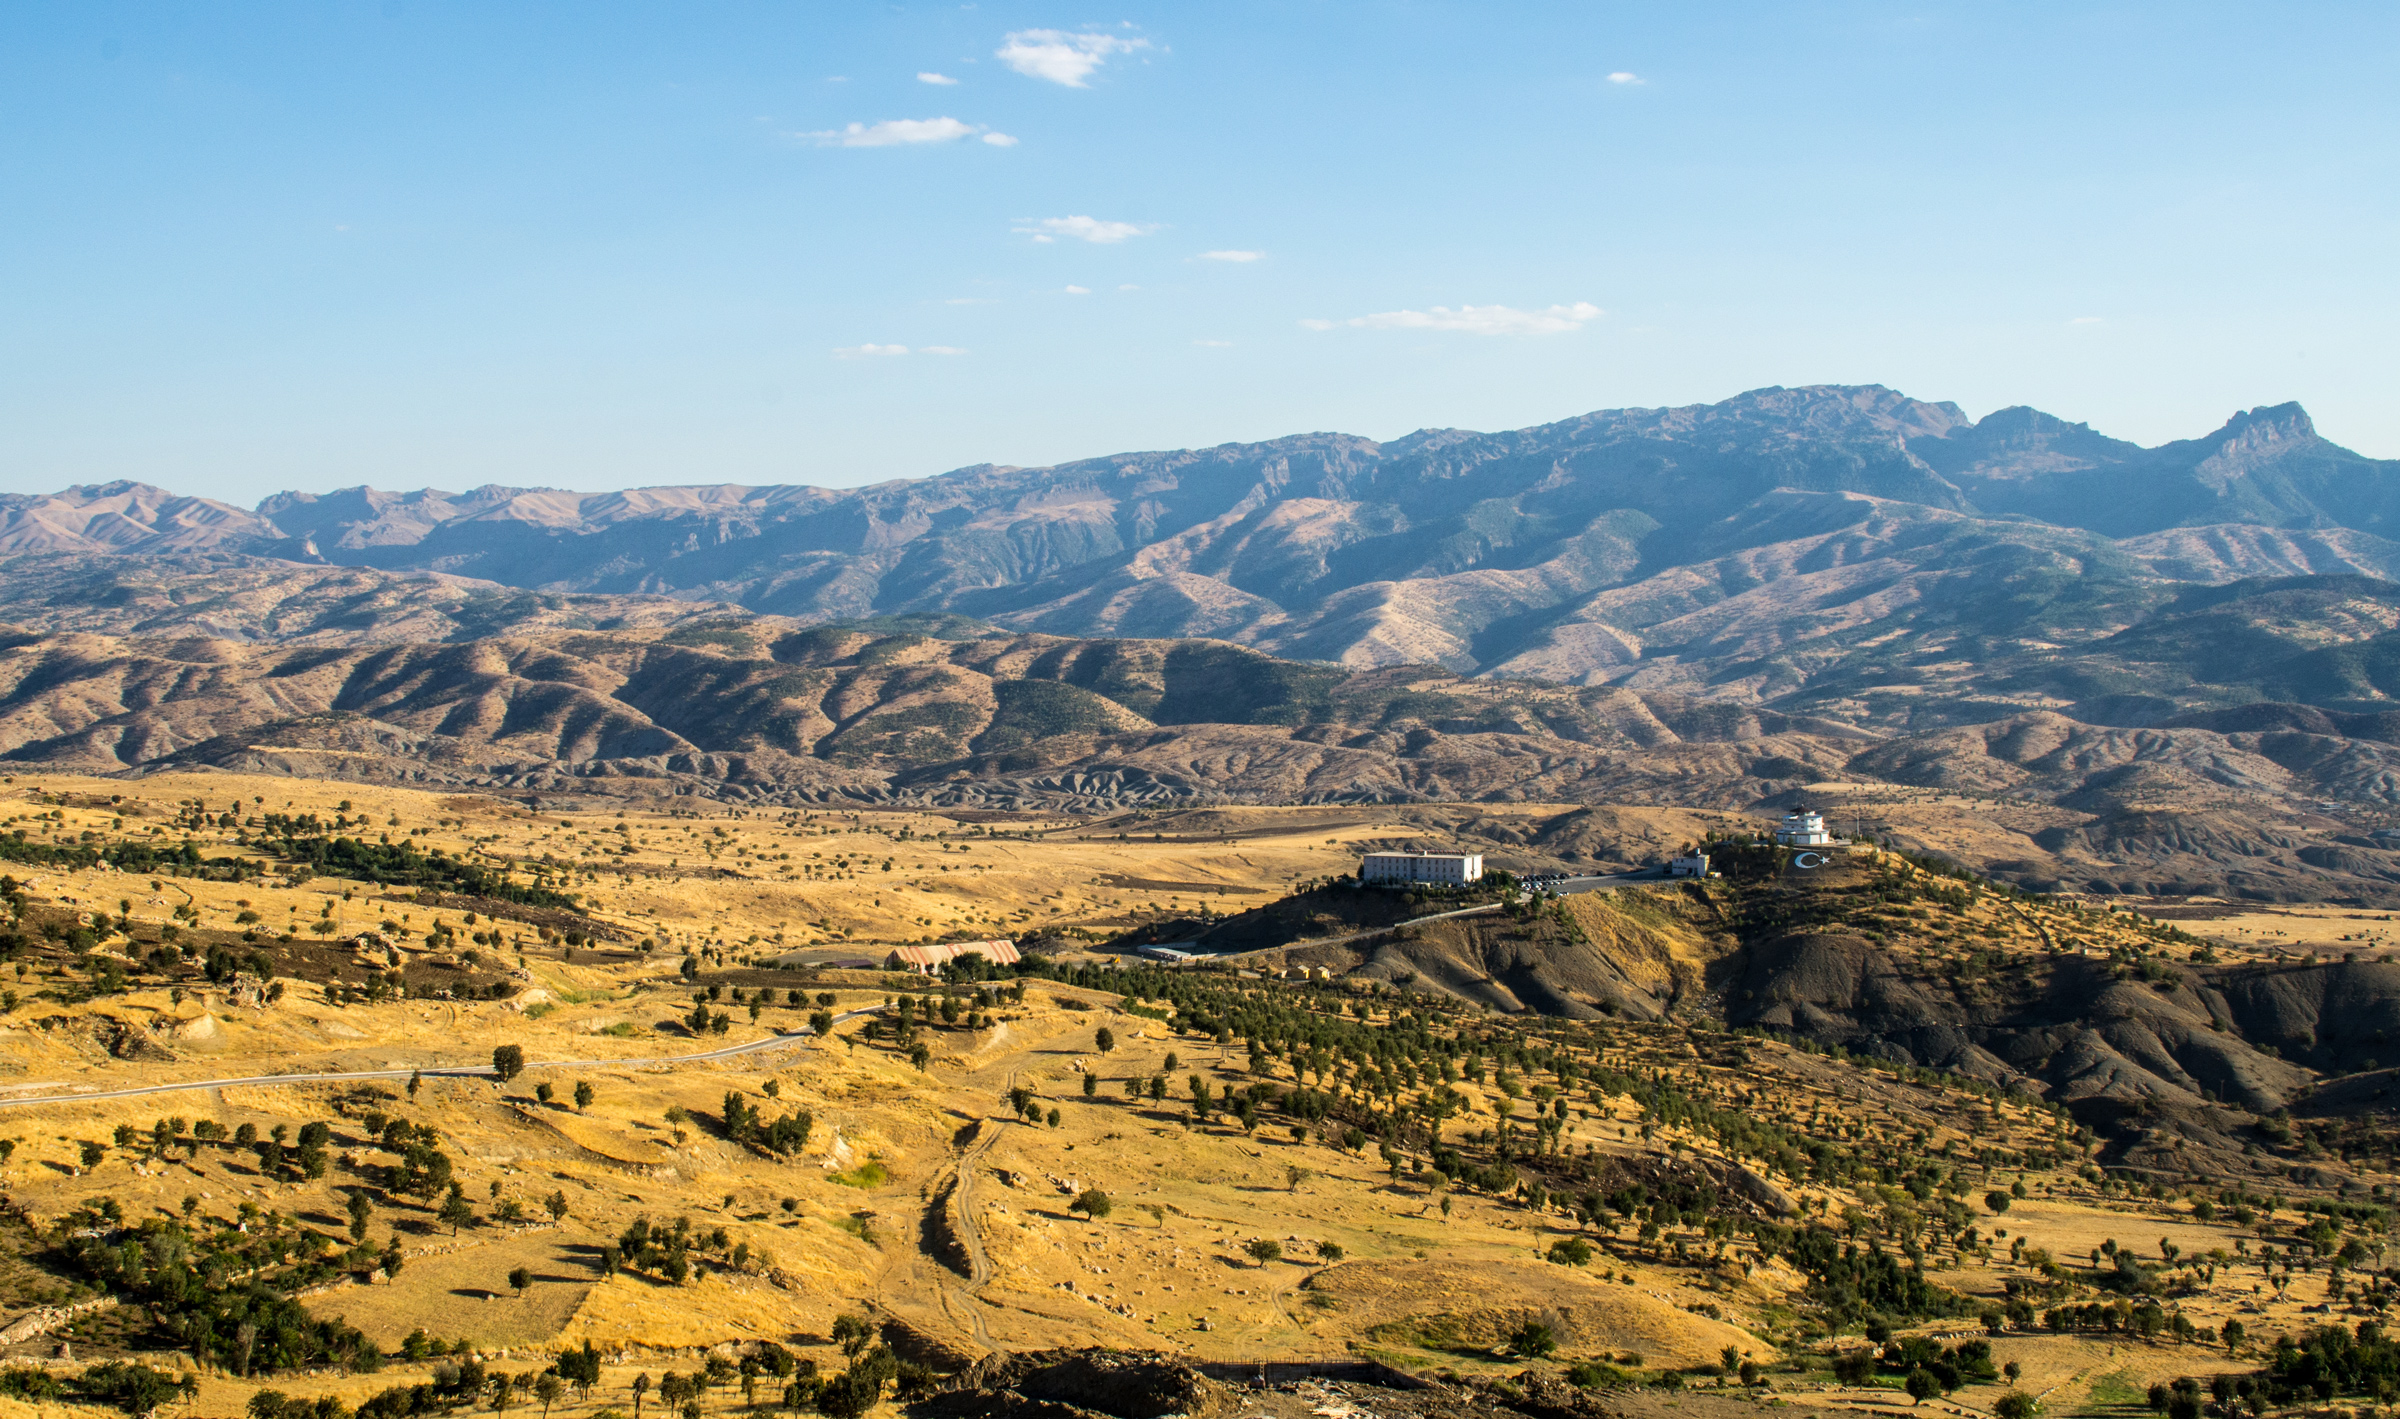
x=943, y=472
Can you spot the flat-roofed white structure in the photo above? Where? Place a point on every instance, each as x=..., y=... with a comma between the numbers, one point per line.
x=929, y=960
x=1803, y=830
x=1441, y=869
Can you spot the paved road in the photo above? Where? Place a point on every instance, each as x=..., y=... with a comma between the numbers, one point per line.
x=442, y=1071
x=1568, y=886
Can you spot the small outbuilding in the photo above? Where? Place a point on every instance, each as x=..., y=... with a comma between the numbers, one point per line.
x=929, y=960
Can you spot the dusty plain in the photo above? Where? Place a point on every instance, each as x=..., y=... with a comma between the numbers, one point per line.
x=928, y=1201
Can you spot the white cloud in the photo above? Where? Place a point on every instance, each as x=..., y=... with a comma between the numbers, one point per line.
x=1060, y=57
x=1233, y=256
x=1079, y=290
x=868, y=352
x=939, y=350
x=999, y=140
x=1475, y=319
x=1084, y=229
x=1129, y=286
x=1626, y=77
x=972, y=300
x=898, y=132
x=929, y=77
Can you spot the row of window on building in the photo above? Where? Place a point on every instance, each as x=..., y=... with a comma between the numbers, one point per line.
x=1457, y=869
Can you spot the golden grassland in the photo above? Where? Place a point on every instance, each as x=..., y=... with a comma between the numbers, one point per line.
x=901, y=1154
x=794, y=879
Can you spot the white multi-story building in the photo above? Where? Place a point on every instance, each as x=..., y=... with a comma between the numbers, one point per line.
x=1440, y=869
x=1803, y=830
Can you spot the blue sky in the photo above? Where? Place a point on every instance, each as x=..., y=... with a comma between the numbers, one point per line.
x=261, y=246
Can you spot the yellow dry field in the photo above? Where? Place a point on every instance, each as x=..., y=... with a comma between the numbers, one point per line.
x=794, y=879
x=2315, y=930
x=900, y=1160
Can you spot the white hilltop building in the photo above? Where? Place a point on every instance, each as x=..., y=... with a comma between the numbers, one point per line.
x=1442, y=869
x=1803, y=830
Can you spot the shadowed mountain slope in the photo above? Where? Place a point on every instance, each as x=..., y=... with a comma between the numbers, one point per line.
x=1748, y=547
x=944, y=712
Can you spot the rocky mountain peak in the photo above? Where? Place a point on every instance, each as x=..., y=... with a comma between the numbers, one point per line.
x=1735, y=529
x=2268, y=424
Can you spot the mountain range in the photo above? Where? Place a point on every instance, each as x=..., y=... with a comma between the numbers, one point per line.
x=1746, y=548
x=1721, y=604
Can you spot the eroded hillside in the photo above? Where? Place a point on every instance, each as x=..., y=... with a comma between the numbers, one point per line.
x=2185, y=1051
x=2267, y=802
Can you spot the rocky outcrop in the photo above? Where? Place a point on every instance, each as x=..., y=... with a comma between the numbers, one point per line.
x=2075, y=1033
x=1076, y=1384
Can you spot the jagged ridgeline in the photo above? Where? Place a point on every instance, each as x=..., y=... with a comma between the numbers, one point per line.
x=1752, y=548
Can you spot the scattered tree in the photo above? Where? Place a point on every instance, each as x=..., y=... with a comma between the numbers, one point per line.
x=852, y=1333
x=1536, y=1338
